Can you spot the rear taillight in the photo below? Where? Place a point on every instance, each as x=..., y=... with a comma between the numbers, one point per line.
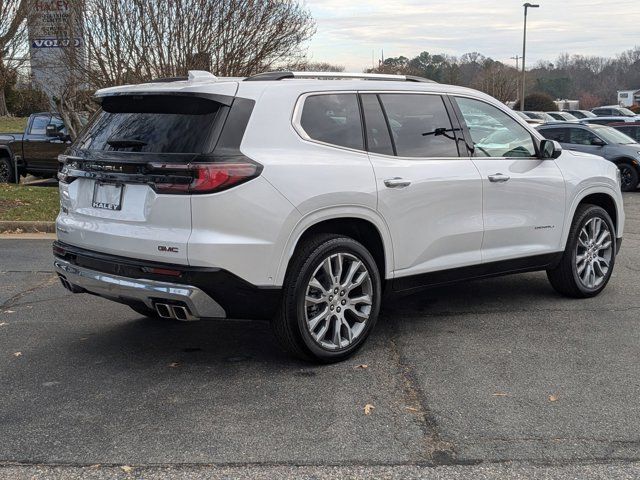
x=198, y=178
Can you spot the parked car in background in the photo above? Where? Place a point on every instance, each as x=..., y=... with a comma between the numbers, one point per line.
x=581, y=113
x=528, y=119
x=608, y=120
x=613, y=111
x=545, y=117
x=631, y=129
x=300, y=199
x=563, y=116
x=34, y=151
x=600, y=140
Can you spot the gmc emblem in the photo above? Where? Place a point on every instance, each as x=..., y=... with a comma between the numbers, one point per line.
x=163, y=248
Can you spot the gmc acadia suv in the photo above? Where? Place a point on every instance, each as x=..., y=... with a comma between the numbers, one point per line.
x=303, y=197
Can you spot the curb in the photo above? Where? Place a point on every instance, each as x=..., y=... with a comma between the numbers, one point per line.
x=27, y=227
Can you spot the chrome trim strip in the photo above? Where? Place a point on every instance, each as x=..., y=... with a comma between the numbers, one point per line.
x=119, y=288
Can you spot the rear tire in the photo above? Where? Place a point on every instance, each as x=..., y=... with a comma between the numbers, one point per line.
x=629, y=177
x=589, y=257
x=331, y=299
x=7, y=171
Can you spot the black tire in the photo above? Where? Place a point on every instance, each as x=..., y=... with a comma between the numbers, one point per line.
x=565, y=278
x=7, y=171
x=629, y=176
x=290, y=324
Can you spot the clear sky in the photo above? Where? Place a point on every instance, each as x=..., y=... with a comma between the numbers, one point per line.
x=350, y=30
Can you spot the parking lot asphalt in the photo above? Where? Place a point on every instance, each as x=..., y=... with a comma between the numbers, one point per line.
x=483, y=376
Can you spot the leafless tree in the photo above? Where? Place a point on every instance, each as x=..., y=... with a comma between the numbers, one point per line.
x=129, y=41
x=13, y=15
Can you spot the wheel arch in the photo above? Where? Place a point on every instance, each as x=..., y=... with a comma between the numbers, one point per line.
x=361, y=224
x=602, y=197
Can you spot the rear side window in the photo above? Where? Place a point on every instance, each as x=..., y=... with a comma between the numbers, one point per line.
x=154, y=124
x=333, y=119
x=420, y=125
x=378, y=138
x=557, y=134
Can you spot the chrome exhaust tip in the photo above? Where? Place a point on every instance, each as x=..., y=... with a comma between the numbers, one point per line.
x=164, y=310
x=182, y=313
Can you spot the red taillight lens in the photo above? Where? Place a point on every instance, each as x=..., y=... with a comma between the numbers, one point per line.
x=195, y=178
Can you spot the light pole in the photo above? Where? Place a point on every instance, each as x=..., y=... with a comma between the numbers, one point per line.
x=524, y=52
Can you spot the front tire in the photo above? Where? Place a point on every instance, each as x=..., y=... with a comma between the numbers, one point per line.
x=331, y=299
x=589, y=257
x=629, y=177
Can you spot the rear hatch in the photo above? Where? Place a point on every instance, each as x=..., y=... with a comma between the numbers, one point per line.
x=126, y=184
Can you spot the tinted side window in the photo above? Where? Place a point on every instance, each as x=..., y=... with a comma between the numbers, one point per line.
x=378, y=138
x=633, y=132
x=420, y=125
x=333, y=119
x=59, y=124
x=557, y=134
x=39, y=125
x=580, y=136
x=493, y=132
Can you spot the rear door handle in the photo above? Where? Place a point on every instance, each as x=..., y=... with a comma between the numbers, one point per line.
x=498, y=178
x=396, y=182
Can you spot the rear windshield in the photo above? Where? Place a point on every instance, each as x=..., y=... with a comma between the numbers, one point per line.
x=154, y=124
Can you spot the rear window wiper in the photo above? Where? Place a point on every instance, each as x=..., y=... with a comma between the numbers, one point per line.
x=125, y=143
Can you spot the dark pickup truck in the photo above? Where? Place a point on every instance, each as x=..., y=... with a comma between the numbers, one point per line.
x=34, y=151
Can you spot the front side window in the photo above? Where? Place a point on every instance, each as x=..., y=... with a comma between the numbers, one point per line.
x=420, y=125
x=493, y=132
x=39, y=125
x=333, y=119
x=581, y=136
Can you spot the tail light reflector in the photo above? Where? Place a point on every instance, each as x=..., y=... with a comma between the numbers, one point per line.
x=198, y=178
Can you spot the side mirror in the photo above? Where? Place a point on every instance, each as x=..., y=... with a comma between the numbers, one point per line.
x=550, y=149
x=52, y=131
x=598, y=142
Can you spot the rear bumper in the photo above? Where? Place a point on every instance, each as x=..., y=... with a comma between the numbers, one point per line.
x=130, y=291
x=204, y=292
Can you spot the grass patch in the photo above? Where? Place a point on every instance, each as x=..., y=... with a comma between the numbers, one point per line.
x=13, y=124
x=20, y=203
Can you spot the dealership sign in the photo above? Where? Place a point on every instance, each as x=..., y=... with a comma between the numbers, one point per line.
x=54, y=26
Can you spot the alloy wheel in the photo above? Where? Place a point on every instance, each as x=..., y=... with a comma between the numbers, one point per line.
x=594, y=253
x=338, y=301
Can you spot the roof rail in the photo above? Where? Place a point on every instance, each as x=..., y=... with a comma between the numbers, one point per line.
x=335, y=75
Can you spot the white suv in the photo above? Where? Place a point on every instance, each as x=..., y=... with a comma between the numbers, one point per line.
x=301, y=199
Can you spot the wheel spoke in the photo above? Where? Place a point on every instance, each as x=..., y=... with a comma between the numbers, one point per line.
x=366, y=299
x=337, y=337
x=339, y=268
x=347, y=327
x=315, y=283
x=314, y=300
x=355, y=265
x=322, y=332
x=360, y=316
x=313, y=322
x=328, y=268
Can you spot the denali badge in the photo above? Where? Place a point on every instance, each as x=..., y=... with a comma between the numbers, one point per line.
x=163, y=248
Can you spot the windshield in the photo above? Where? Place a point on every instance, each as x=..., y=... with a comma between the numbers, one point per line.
x=627, y=112
x=611, y=135
x=153, y=124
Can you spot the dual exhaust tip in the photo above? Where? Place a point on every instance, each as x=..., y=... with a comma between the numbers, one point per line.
x=174, y=312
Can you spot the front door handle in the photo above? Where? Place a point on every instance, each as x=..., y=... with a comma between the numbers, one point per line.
x=498, y=178
x=397, y=182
